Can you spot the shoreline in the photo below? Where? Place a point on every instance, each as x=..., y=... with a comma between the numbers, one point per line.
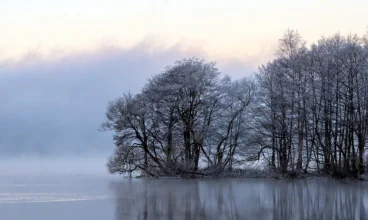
x=258, y=174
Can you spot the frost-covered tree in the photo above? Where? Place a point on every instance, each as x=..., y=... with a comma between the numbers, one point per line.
x=185, y=115
x=307, y=109
x=312, y=108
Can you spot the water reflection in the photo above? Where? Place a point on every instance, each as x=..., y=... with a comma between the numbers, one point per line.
x=240, y=199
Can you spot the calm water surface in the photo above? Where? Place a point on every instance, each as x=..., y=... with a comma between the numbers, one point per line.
x=70, y=197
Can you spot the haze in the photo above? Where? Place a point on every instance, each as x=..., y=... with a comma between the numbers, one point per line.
x=62, y=61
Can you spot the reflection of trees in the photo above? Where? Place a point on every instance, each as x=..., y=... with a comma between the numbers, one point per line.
x=238, y=199
x=308, y=200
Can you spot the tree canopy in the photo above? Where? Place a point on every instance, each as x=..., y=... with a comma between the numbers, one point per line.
x=307, y=109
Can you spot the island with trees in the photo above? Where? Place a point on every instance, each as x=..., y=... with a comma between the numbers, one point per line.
x=304, y=112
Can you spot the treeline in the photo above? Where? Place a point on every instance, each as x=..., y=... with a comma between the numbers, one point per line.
x=306, y=110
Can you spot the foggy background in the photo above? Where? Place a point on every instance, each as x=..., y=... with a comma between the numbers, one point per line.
x=51, y=109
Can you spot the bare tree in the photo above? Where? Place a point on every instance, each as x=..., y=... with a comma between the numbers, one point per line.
x=314, y=99
x=184, y=115
x=307, y=109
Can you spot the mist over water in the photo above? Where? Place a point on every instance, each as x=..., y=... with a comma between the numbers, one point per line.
x=95, y=197
x=91, y=165
x=241, y=199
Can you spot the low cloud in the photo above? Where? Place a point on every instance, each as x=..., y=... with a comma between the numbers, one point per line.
x=54, y=105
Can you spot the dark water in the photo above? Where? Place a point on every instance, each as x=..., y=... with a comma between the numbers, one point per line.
x=100, y=197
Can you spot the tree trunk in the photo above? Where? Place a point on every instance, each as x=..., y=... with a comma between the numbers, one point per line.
x=197, y=150
x=169, y=164
x=300, y=148
x=187, y=150
x=361, y=144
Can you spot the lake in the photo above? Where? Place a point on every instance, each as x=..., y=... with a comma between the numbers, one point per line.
x=99, y=197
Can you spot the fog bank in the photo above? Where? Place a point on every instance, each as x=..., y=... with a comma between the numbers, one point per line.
x=38, y=166
x=54, y=106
